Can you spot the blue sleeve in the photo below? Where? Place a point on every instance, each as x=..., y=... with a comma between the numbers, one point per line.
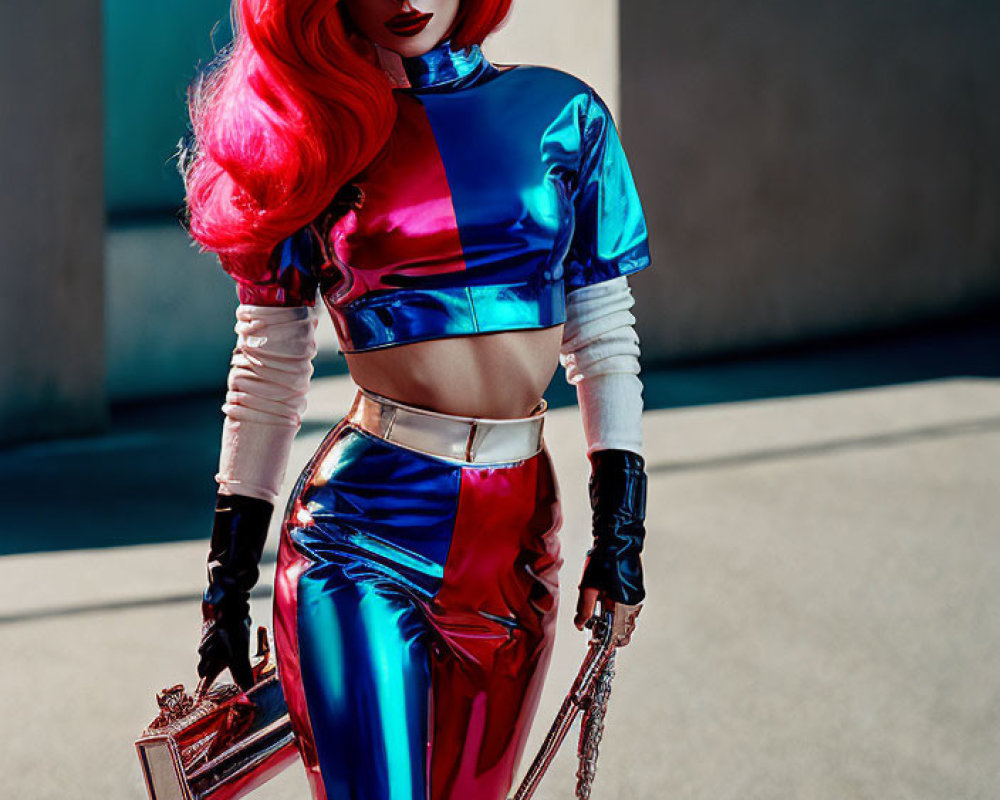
x=288, y=277
x=610, y=237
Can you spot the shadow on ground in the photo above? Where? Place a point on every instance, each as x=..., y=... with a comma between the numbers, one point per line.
x=149, y=479
x=947, y=349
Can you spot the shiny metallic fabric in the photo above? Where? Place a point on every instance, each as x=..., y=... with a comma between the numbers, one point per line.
x=500, y=189
x=415, y=609
x=469, y=439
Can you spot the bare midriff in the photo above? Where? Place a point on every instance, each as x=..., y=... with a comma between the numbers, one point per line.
x=496, y=375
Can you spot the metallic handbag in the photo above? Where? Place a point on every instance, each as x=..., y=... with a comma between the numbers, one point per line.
x=221, y=743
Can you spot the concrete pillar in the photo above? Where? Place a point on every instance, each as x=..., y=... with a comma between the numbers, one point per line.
x=811, y=169
x=51, y=219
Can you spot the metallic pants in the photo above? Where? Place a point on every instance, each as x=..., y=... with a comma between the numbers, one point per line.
x=414, y=614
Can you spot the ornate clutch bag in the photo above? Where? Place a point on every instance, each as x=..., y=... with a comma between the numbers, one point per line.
x=219, y=744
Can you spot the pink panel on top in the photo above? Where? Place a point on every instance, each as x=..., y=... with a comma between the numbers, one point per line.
x=406, y=224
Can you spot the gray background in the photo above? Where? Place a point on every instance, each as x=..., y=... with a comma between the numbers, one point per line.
x=811, y=169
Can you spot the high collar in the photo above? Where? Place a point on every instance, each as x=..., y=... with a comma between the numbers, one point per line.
x=443, y=69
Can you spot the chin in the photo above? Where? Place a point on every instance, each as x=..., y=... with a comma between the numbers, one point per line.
x=407, y=46
x=414, y=46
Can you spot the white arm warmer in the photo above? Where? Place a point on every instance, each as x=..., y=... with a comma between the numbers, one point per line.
x=600, y=353
x=268, y=379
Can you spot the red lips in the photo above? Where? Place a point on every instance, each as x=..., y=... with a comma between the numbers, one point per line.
x=409, y=23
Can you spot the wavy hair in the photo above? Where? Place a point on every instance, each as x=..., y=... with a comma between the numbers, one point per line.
x=285, y=115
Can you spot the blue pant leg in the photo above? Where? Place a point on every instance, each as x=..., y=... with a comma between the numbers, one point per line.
x=366, y=677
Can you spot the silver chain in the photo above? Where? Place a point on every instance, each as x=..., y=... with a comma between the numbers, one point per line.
x=592, y=729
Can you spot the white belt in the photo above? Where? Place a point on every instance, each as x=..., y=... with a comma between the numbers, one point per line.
x=473, y=440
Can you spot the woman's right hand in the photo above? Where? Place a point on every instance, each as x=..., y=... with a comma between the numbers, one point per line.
x=225, y=643
x=238, y=536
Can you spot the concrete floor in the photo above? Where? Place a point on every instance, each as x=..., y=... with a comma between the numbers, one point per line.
x=822, y=619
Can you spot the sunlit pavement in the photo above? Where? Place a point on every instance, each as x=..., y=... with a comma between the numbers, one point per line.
x=822, y=619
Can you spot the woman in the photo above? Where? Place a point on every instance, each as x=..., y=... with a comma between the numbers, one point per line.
x=467, y=225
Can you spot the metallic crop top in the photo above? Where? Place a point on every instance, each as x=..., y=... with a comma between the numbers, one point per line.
x=499, y=190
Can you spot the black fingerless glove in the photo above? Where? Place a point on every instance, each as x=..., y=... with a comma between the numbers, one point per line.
x=618, y=502
x=238, y=535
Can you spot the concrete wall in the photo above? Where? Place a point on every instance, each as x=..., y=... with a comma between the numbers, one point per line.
x=170, y=314
x=51, y=219
x=151, y=52
x=811, y=169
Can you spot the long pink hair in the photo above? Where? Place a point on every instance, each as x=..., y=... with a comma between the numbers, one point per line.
x=288, y=113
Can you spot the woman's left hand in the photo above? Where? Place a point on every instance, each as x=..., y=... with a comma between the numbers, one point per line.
x=612, y=571
x=623, y=623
